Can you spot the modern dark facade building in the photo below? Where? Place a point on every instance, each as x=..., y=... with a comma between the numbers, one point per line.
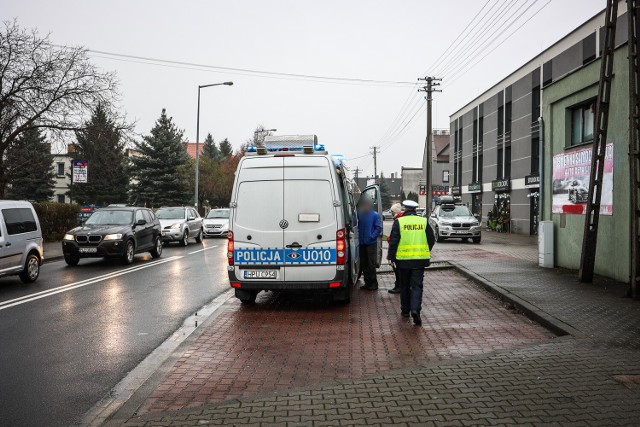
x=523, y=148
x=496, y=138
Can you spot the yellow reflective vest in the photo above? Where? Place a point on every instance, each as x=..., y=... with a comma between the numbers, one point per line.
x=413, y=238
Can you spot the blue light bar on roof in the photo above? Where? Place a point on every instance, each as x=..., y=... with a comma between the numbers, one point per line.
x=252, y=149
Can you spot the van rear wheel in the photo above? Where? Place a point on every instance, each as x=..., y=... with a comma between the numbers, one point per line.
x=246, y=297
x=342, y=295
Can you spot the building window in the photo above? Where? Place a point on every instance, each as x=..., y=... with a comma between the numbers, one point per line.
x=582, y=123
x=60, y=198
x=445, y=176
x=60, y=167
x=535, y=155
x=500, y=163
x=480, y=147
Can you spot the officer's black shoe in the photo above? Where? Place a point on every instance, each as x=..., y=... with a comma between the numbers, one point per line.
x=416, y=317
x=404, y=313
x=395, y=290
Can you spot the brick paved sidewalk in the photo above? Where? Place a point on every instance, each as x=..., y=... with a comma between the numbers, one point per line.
x=564, y=381
x=285, y=341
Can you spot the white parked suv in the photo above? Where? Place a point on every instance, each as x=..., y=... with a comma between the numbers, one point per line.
x=451, y=221
x=21, y=251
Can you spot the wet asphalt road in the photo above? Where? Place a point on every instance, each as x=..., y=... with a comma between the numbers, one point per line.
x=62, y=352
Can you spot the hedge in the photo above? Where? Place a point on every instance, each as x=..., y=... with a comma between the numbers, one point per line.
x=56, y=219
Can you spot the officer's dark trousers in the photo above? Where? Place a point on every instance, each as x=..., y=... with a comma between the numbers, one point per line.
x=368, y=260
x=411, y=289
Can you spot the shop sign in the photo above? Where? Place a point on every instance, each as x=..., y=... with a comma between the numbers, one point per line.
x=455, y=190
x=501, y=185
x=532, y=181
x=475, y=187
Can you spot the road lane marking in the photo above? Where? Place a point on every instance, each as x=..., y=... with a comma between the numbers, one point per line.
x=86, y=282
x=205, y=249
x=106, y=275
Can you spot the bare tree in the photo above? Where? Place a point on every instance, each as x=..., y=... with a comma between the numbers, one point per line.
x=45, y=86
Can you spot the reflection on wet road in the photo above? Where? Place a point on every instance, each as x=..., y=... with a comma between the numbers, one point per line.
x=72, y=335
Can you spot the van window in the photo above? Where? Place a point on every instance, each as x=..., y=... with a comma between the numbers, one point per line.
x=259, y=205
x=19, y=220
x=309, y=197
x=139, y=215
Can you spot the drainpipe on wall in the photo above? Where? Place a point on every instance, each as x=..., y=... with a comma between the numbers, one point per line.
x=541, y=170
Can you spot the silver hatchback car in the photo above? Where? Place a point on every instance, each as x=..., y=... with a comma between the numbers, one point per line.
x=179, y=224
x=21, y=251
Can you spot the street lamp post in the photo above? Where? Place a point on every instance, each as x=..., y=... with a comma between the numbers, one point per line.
x=198, y=137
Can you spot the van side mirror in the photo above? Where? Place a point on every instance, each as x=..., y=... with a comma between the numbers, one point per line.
x=191, y=218
x=141, y=222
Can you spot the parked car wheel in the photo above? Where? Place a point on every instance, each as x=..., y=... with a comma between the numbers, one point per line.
x=477, y=240
x=129, y=252
x=185, y=238
x=71, y=261
x=439, y=238
x=31, y=269
x=200, y=236
x=156, y=252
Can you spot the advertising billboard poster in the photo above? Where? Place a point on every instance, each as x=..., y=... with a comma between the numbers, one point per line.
x=80, y=171
x=571, y=171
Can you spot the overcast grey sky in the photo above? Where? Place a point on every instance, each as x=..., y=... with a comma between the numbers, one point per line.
x=373, y=39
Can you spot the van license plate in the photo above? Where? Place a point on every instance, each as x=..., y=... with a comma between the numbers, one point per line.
x=88, y=250
x=260, y=274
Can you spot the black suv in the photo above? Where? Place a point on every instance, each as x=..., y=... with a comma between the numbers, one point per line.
x=114, y=232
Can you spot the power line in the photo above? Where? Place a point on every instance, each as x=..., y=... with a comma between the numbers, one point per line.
x=498, y=20
x=242, y=71
x=470, y=66
x=454, y=44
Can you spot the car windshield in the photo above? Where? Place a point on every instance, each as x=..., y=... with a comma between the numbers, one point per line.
x=218, y=213
x=177, y=213
x=452, y=211
x=110, y=217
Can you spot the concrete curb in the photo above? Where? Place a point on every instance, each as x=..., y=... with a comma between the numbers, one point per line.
x=131, y=392
x=533, y=312
x=52, y=259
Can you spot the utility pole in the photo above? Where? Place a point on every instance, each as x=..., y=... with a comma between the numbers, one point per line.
x=427, y=161
x=592, y=217
x=356, y=173
x=634, y=148
x=375, y=152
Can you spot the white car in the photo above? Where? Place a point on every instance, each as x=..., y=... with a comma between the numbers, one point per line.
x=179, y=224
x=216, y=223
x=450, y=221
x=20, y=241
x=294, y=222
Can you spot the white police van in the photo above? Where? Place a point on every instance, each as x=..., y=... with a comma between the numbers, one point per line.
x=293, y=223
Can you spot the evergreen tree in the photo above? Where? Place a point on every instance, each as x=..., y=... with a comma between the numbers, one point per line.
x=413, y=196
x=385, y=197
x=226, y=150
x=157, y=180
x=100, y=143
x=403, y=197
x=210, y=148
x=29, y=168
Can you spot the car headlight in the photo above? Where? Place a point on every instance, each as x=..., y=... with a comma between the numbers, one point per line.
x=174, y=226
x=113, y=236
x=69, y=237
x=445, y=223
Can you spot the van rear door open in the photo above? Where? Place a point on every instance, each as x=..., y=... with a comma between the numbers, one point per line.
x=258, y=236
x=309, y=209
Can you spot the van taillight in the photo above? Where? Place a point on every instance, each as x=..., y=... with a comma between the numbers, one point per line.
x=341, y=247
x=230, y=248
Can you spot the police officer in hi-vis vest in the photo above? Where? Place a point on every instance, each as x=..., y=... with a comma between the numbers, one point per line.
x=410, y=246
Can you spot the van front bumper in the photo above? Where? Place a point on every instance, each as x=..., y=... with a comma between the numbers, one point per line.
x=109, y=248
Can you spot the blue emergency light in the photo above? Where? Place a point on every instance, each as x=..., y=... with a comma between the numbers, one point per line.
x=252, y=149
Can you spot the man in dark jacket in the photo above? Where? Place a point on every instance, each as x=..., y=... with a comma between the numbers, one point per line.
x=410, y=246
x=370, y=227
